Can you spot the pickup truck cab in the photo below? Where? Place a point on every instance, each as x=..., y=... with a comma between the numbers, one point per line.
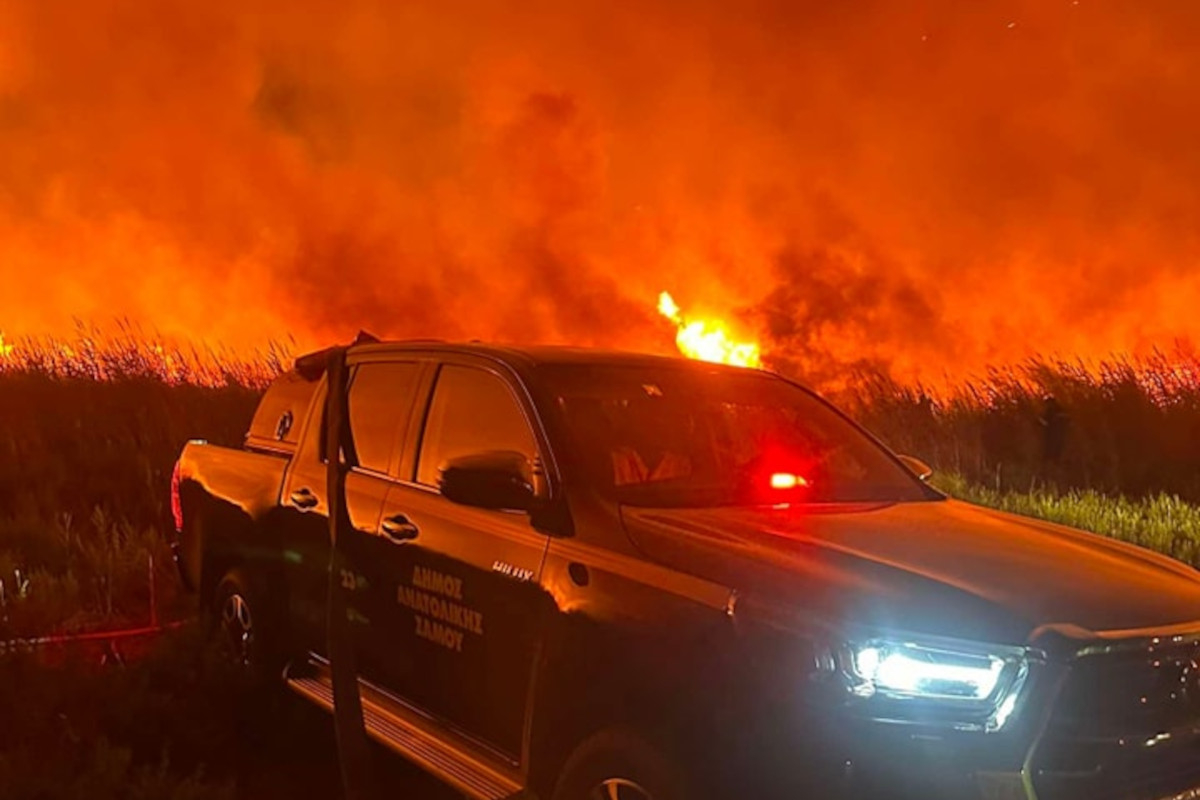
x=578, y=574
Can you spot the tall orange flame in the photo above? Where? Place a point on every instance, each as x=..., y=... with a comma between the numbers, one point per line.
x=708, y=339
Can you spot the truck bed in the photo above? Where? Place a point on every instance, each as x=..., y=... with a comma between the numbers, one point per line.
x=239, y=486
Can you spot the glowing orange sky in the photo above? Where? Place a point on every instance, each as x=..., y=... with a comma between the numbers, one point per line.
x=927, y=186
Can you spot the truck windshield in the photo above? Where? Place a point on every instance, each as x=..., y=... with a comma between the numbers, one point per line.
x=696, y=437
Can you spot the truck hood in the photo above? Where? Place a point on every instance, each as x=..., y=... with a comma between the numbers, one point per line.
x=939, y=567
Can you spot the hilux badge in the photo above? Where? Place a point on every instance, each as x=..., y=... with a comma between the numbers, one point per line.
x=512, y=572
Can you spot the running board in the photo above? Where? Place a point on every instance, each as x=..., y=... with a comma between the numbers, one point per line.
x=465, y=771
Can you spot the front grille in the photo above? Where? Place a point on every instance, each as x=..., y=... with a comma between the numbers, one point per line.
x=1112, y=771
x=1126, y=725
x=1122, y=693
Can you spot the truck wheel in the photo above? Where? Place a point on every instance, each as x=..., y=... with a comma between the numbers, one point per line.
x=618, y=764
x=242, y=626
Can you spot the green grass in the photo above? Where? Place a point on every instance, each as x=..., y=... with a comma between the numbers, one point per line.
x=1159, y=522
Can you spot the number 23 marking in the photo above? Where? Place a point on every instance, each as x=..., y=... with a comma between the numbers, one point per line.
x=351, y=581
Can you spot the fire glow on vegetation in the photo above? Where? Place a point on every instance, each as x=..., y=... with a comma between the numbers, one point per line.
x=134, y=355
x=707, y=339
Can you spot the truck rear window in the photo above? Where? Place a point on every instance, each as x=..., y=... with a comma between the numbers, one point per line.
x=276, y=423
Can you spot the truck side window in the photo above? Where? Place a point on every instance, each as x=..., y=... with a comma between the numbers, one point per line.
x=473, y=411
x=380, y=401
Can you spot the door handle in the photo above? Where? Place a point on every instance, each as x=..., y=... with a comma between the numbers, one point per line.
x=399, y=528
x=304, y=498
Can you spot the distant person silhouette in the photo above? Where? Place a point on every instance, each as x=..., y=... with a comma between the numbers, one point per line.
x=1054, y=421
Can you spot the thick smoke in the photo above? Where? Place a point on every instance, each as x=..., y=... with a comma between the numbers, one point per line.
x=927, y=187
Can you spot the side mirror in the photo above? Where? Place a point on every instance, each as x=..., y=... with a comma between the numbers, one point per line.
x=917, y=467
x=496, y=479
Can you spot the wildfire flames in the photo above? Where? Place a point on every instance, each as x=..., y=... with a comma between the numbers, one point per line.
x=707, y=340
x=923, y=189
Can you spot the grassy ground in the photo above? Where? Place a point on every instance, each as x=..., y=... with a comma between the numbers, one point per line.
x=177, y=723
x=1159, y=522
x=146, y=731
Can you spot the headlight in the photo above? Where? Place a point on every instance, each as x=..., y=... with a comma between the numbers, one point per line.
x=964, y=685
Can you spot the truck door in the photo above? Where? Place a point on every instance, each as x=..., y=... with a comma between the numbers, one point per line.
x=381, y=398
x=466, y=602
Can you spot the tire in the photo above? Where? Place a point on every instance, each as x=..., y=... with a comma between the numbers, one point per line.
x=620, y=764
x=243, y=626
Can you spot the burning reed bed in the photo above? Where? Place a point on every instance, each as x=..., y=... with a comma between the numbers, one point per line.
x=89, y=431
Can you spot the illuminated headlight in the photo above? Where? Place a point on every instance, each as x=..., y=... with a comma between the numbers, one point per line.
x=964, y=685
x=921, y=672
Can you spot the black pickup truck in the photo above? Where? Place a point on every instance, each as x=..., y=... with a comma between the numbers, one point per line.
x=576, y=574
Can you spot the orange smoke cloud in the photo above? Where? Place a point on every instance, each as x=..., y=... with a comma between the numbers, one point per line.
x=922, y=187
